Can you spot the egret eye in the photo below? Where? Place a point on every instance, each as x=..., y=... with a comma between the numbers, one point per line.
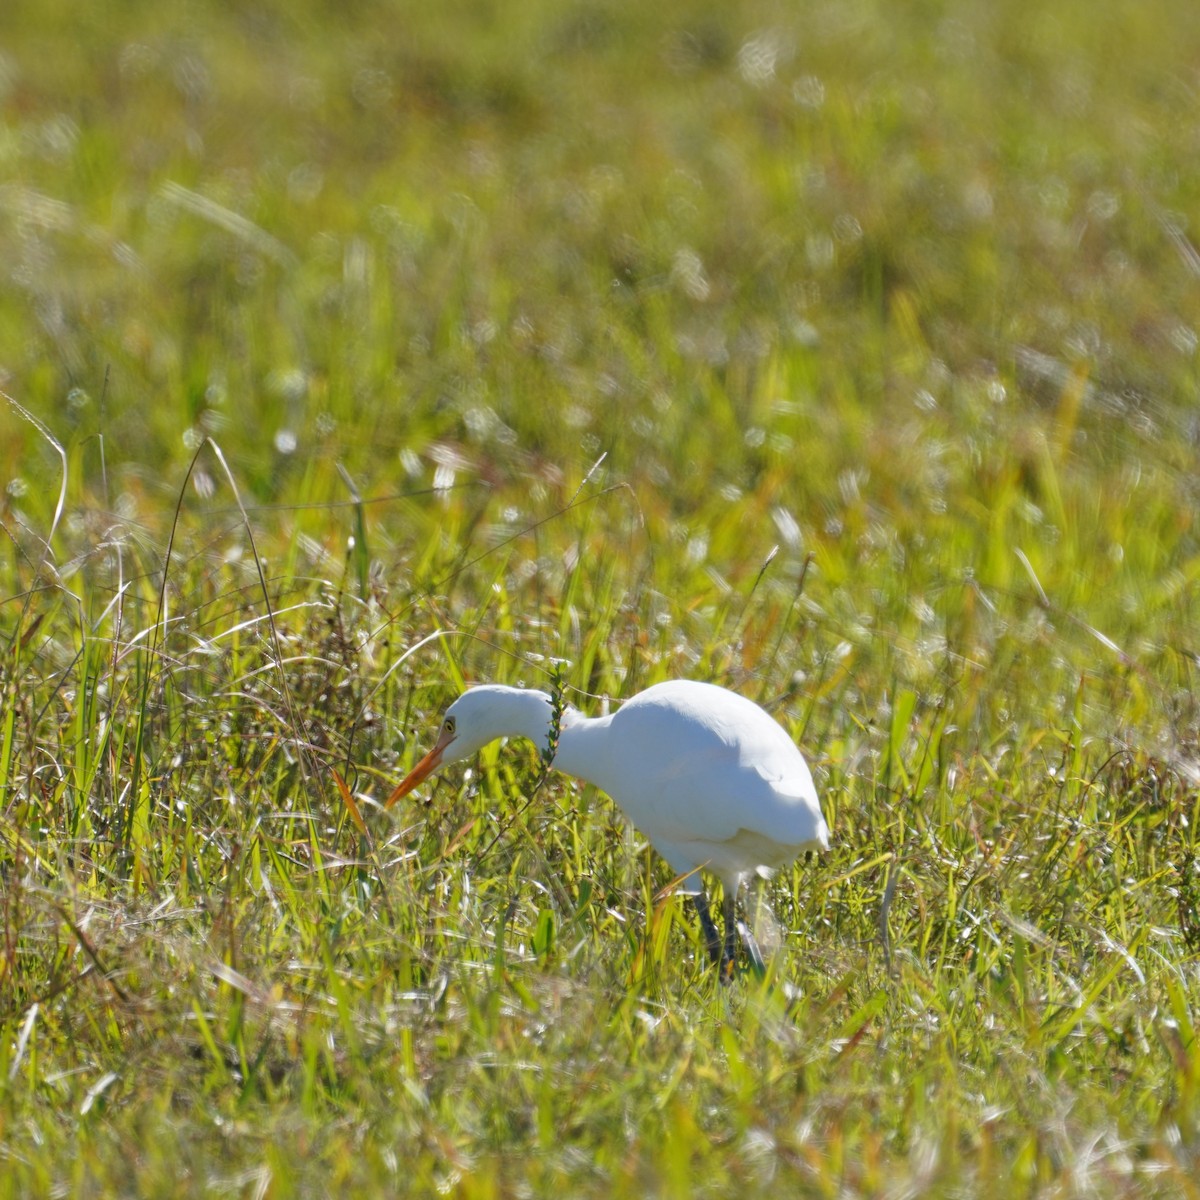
x=448, y=726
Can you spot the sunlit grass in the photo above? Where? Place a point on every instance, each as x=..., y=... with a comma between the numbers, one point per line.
x=845, y=356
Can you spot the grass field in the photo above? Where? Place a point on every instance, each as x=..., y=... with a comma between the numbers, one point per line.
x=842, y=353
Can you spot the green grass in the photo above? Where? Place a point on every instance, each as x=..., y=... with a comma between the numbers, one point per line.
x=843, y=354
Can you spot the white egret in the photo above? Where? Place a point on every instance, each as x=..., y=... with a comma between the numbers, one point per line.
x=707, y=775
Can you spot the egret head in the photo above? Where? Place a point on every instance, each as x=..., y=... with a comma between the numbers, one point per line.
x=478, y=716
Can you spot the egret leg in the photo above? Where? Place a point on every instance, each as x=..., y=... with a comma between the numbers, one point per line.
x=735, y=929
x=732, y=925
x=751, y=944
x=712, y=939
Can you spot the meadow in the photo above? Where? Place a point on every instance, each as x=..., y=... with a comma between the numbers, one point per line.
x=845, y=354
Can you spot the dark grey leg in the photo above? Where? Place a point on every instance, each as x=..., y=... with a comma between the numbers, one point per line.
x=729, y=911
x=712, y=939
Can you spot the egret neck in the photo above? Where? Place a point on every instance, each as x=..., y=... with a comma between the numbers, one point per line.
x=583, y=750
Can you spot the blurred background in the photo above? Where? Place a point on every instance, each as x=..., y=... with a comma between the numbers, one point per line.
x=792, y=239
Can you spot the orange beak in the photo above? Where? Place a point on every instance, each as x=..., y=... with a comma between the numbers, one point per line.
x=422, y=770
